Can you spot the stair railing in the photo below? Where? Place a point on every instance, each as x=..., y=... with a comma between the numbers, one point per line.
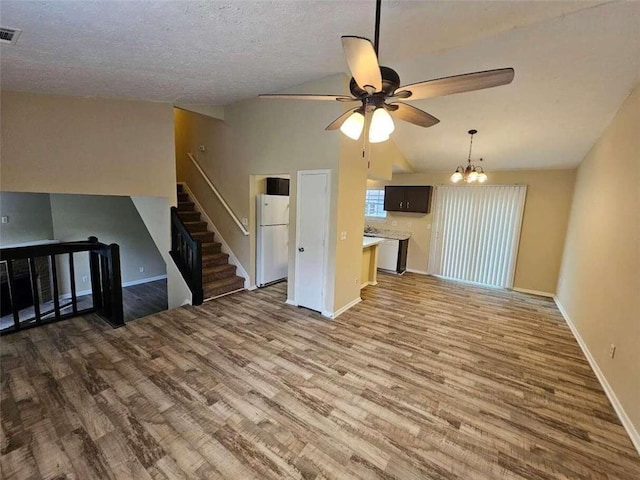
x=104, y=272
x=187, y=255
x=213, y=188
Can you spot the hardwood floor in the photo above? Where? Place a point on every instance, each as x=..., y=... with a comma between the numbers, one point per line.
x=137, y=301
x=425, y=379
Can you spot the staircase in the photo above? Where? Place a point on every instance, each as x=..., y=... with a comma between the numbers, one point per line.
x=218, y=275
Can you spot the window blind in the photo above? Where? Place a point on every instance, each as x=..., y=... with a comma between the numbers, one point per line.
x=476, y=230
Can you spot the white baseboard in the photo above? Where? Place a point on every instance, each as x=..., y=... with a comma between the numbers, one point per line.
x=291, y=302
x=421, y=272
x=144, y=280
x=534, y=292
x=233, y=260
x=340, y=311
x=80, y=293
x=617, y=406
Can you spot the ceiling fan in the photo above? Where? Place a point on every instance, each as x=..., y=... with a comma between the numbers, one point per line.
x=378, y=90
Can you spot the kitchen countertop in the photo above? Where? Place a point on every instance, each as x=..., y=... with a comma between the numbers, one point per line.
x=370, y=241
x=392, y=234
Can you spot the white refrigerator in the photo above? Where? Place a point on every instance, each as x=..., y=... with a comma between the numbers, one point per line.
x=272, y=238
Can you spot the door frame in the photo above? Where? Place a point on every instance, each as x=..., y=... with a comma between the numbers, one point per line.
x=323, y=295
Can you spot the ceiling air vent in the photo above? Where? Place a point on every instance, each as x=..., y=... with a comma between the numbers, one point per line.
x=9, y=36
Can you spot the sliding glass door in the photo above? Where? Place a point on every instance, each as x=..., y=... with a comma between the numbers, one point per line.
x=476, y=230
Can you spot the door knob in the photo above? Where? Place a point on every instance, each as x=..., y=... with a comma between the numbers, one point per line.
x=301, y=249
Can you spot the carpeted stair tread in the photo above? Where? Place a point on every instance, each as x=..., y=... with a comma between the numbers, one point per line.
x=212, y=259
x=198, y=226
x=218, y=275
x=209, y=248
x=189, y=216
x=225, y=285
x=218, y=272
x=205, y=237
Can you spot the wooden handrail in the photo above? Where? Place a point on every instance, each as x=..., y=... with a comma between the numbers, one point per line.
x=242, y=228
x=104, y=270
x=186, y=252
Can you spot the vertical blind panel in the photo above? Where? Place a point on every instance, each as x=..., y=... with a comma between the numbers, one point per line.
x=477, y=232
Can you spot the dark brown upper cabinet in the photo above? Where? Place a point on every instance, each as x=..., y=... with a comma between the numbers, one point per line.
x=415, y=199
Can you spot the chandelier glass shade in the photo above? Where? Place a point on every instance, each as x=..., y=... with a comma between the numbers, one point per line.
x=381, y=126
x=469, y=173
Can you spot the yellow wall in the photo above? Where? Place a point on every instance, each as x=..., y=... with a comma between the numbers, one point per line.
x=262, y=137
x=352, y=184
x=56, y=144
x=60, y=144
x=599, y=285
x=543, y=225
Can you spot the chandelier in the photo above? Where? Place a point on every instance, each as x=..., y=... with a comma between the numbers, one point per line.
x=470, y=173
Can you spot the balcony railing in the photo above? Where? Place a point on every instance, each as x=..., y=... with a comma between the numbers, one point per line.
x=34, y=275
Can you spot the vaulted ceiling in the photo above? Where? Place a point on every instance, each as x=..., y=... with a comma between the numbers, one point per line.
x=575, y=62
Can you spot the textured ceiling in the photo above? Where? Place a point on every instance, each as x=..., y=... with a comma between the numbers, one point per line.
x=575, y=62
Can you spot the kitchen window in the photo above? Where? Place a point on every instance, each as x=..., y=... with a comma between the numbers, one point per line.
x=374, y=203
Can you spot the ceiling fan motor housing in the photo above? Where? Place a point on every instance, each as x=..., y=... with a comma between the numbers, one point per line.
x=390, y=83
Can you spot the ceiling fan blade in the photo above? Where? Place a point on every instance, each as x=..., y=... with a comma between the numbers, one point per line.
x=363, y=62
x=337, y=123
x=411, y=114
x=311, y=96
x=456, y=84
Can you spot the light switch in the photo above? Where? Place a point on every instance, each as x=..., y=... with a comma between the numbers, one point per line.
x=5, y=219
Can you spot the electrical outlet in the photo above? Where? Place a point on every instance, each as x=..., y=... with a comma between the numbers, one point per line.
x=245, y=221
x=357, y=281
x=343, y=235
x=409, y=224
x=85, y=279
x=5, y=219
x=141, y=269
x=612, y=350
x=202, y=148
x=394, y=223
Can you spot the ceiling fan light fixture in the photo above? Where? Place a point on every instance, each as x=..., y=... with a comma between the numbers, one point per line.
x=352, y=127
x=381, y=126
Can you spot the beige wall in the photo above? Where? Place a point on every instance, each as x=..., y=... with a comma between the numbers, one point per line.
x=544, y=223
x=599, y=285
x=352, y=184
x=260, y=137
x=29, y=217
x=56, y=144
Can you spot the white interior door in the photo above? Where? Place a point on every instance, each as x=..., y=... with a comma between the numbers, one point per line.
x=311, y=238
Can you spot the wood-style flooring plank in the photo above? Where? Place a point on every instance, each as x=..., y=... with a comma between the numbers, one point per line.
x=424, y=379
